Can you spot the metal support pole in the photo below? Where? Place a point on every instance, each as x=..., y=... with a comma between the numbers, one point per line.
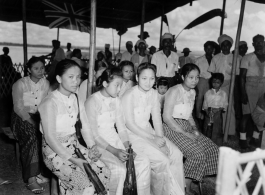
x=92, y=48
x=58, y=33
x=143, y=19
x=24, y=29
x=161, y=27
x=228, y=116
x=120, y=45
x=223, y=18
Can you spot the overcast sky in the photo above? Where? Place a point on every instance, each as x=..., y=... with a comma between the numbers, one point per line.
x=179, y=18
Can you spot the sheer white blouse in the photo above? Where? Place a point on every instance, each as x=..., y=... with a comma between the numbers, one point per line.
x=27, y=96
x=58, y=117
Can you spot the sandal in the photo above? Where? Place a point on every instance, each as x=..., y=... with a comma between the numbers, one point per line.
x=40, y=179
x=33, y=189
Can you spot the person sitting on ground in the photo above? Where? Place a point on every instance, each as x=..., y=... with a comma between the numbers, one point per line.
x=215, y=102
x=127, y=69
x=185, y=59
x=76, y=56
x=127, y=55
x=140, y=57
x=68, y=53
x=179, y=126
x=28, y=92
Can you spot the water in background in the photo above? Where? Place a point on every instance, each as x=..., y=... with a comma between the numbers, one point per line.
x=16, y=53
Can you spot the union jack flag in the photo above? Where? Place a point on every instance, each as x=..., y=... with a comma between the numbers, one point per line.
x=64, y=15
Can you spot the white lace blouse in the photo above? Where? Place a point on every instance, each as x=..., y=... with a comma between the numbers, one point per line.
x=58, y=117
x=27, y=96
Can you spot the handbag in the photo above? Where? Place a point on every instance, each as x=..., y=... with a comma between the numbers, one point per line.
x=130, y=185
x=78, y=126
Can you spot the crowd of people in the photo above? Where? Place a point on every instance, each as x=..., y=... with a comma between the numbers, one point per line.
x=158, y=103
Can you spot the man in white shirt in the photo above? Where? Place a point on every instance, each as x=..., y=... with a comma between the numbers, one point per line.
x=166, y=60
x=77, y=55
x=127, y=55
x=59, y=52
x=185, y=59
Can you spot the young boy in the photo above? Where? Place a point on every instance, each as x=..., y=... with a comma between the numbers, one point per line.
x=162, y=87
x=215, y=102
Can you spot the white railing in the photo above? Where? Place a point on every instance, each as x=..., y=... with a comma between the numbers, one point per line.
x=232, y=178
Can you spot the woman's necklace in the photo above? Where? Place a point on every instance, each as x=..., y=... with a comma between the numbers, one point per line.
x=68, y=107
x=107, y=101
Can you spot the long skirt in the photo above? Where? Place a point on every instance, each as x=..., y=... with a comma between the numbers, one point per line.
x=72, y=180
x=167, y=176
x=29, y=139
x=201, y=155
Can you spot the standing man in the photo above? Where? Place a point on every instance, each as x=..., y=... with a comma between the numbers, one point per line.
x=68, y=53
x=140, y=57
x=252, y=82
x=242, y=49
x=203, y=63
x=127, y=55
x=222, y=63
x=108, y=53
x=166, y=60
x=185, y=59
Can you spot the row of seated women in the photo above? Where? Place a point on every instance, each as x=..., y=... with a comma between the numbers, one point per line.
x=109, y=125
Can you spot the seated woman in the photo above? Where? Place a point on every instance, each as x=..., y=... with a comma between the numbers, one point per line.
x=127, y=69
x=27, y=94
x=139, y=103
x=200, y=152
x=59, y=112
x=104, y=111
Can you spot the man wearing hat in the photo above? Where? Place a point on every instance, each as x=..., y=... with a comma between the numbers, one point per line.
x=108, y=53
x=127, y=55
x=222, y=63
x=185, y=59
x=140, y=57
x=252, y=82
x=146, y=35
x=166, y=60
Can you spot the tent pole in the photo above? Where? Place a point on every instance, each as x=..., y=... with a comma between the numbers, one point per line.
x=120, y=45
x=92, y=48
x=24, y=26
x=143, y=19
x=58, y=32
x=228, y=116
x=223, y=18
x=161, y=27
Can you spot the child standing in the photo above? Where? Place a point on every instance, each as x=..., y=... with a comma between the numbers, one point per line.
x=215, y=102
x=162, y=87
x=127, y=69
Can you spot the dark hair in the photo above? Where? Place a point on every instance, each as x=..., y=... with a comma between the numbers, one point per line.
x=60, y=69
x=208, y=43
x=163, y=81
x=108, y=75
x=126, y=63
x=187, y=68
x=34, y=60
x=257, y=36
x=218, y=76
x=144, y=66
x=103, y=64
x=76, y=51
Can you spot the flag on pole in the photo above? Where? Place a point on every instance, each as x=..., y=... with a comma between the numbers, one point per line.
x=205, y=17
x=164, y=18
x=64, y=15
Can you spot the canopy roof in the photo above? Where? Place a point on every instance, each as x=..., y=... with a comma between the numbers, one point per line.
x=110, y=13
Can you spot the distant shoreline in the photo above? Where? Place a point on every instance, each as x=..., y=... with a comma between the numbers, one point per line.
x=50, y=46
